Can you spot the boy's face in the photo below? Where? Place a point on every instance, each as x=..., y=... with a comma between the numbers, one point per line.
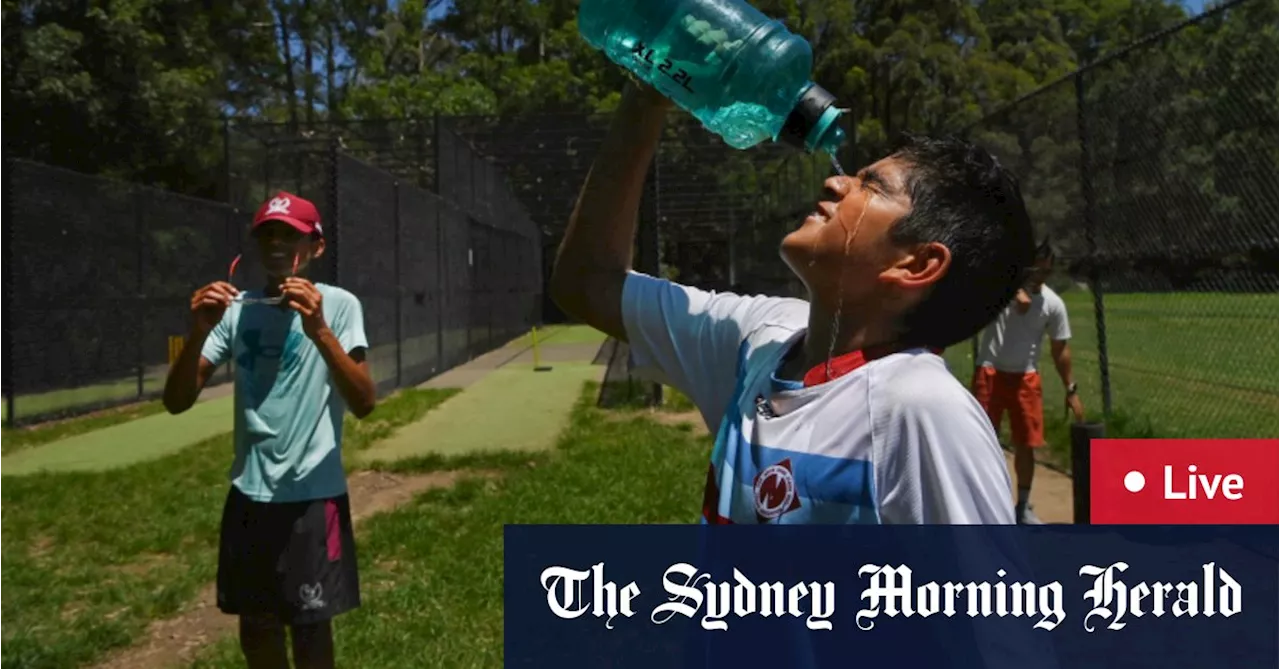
x=836, y=264
x=282, y=247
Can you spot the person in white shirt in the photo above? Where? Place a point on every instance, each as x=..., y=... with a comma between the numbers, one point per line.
x=838, y=408
x=1006, y=375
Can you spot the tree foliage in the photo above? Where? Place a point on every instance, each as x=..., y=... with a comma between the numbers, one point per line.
x=135, y=88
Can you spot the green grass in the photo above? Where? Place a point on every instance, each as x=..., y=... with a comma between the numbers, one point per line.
x=431, y=571
x=1057, y=427
x=1195, y=365
x=632, y=395
x=18, y=438
x=675, y=401
x=85, y=575
x=1182, y=365
x=401, y=409
x=91, y=558
x=564, y=334
x=128, y=443
x=511, y=408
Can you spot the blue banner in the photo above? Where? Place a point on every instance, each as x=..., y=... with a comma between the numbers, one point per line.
x=891, y=596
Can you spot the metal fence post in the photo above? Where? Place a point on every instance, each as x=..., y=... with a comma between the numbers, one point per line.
x=335, y=213
x=654, y=252
x=399, y=288
x=471, y=282
x=491, y=239
x=266, y=170
x=1082, y=436
x=441, y=289
x=226, y=159
x=421, y=147
x=441, y=239
x=435, y=155
x=733, y=249
x=234, y=232
x=1090, y=232
x=10, y=293
x=139, y=231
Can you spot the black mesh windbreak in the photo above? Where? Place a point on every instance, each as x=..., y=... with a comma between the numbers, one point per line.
x=99, y=274
x=480, y=260
x=421, y=288
x=456, y=243
x=368, y=229
x=187, y=243
x=442, y=278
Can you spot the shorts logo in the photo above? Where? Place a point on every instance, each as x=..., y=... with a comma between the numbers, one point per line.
x=311, y=596
x=775, y=491
x=279, y=205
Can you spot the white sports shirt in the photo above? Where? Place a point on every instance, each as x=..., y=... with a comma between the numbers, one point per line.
x=1011, y=343
x=897, y=440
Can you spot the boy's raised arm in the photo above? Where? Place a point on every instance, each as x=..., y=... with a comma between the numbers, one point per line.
x=594, y=257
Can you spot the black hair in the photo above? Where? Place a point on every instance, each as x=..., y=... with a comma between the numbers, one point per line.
x=963, y=198
x=1045, y=251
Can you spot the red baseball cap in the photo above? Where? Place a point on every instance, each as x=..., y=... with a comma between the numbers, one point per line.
x=291, y=209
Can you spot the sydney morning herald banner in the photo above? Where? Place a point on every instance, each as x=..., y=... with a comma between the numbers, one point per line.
x=814, y=596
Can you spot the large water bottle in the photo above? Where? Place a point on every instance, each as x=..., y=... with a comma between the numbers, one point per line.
x=741, y=73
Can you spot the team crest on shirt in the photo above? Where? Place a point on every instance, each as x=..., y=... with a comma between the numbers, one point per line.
x=775, y=491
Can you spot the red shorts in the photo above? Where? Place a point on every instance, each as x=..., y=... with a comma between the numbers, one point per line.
x=1020, y=395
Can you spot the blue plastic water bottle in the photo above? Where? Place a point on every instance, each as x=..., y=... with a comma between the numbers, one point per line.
x=741, y=73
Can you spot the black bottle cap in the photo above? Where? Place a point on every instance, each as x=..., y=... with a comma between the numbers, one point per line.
x=808, y=112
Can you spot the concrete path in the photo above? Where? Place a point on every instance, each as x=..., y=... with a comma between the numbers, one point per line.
x=511, y=409
x=505, y=405
x=162, y=434
x=559, y=344
x=127, y=443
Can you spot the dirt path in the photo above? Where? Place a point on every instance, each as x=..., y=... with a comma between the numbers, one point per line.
x=175, y=641
x=1050, y=492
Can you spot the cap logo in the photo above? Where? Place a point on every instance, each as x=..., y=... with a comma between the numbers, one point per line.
x=279, y=205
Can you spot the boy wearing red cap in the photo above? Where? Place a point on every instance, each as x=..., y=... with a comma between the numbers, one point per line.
x=287, y=552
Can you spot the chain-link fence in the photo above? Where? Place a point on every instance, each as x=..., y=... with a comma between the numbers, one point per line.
x=1154, y=174
x=99, y=273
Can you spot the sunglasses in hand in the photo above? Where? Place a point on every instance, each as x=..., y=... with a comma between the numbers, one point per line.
x=242, y=298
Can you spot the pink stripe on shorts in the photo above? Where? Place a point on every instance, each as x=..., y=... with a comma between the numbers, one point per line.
x=333, y=534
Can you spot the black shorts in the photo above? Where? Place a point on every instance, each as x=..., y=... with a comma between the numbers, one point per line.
x=292, y=560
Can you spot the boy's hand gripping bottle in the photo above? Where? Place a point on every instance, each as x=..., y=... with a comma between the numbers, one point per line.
x=740, y=73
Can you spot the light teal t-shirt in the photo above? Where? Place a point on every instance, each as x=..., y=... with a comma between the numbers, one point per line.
x=288, y=425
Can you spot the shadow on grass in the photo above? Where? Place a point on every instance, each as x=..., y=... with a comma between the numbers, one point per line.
x=633, y=394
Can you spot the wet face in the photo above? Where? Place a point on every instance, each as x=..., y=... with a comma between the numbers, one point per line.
x=842, y=251
x=282, y=247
